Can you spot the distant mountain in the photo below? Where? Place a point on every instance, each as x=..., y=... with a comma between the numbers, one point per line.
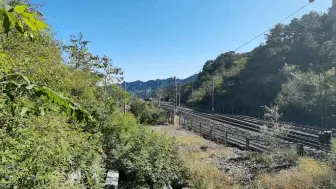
x=144, y=89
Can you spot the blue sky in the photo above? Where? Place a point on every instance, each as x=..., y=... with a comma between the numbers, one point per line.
x=156, y=39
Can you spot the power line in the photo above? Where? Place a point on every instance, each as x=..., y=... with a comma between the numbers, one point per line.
x=310, y=2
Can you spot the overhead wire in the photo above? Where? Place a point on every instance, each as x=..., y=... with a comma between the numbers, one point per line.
x=261, y=34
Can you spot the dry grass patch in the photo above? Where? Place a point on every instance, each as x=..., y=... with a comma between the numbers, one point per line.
x=203, y=172
x=205, y=175
x=309, y=174
x=200, y=155
x=190, y=140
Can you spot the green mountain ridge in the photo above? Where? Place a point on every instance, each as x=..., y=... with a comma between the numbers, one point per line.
x=146, y=88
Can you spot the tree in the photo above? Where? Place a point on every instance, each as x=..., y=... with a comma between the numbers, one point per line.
x=20, y=18
x=247, y=81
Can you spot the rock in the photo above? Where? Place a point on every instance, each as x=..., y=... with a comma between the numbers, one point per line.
x=75, y=177
x=112, y=179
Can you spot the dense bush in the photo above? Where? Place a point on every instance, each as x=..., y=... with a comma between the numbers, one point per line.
x=58, y=117
x=150, y=156
x=41, y=152
x=147, y=113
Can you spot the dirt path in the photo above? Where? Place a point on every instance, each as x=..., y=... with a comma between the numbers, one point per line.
x=188, y=141
x=201, y=157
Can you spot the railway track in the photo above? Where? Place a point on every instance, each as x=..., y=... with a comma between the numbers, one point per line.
x=218, y=133
x=306, y=136
x=295, y=126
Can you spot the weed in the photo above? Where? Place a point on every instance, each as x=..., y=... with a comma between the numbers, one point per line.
x=309, y=174
x=191, y=140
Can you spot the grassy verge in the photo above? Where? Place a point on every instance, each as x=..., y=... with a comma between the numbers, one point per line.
x=197, y=154
x=200, y=155
x=308, y=174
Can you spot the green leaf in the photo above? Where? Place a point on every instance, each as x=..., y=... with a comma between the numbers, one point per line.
x=5, y=20
x=41, y=25
x=32, y=22
x=88, y=179
x=25, y=35
x=12, y=17
x=2, y=12
x=41, y=111
x=23, y=111
x=19, y=27
x=28, y=15
x=25, y=78
x=20, y=8
x=30, y=86
x=31, y=36
x=74, y=115
x=20, y=75
x=29, y=24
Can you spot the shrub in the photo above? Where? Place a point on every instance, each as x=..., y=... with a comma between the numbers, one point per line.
x=151, y=156
x=37, y=153
x=40, y=151
x=282, y=156
x=147, y=113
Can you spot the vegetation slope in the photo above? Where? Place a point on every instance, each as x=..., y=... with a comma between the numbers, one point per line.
x=292, y=69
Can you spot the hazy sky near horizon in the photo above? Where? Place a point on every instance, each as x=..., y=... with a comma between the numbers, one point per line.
x=157, y=39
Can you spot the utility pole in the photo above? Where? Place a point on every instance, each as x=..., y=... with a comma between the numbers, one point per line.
x=125, y=99
x=333, y=19
x=159, y=95
x=175, y=103
x=321, y=101
x=333, y=15
x=179, y=95
x=213, y=94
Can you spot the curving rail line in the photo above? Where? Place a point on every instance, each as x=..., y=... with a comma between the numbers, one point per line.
x=308, y=137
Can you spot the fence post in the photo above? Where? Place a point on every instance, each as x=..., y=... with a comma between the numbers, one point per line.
x=210, y=133
x=247, y=145
x=191, y=123
x=225, y=138
x=200, y=128
x=300, y=149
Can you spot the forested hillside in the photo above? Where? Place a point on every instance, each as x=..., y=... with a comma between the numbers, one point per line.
x=145, y=89
x=293, y=69
x=60, y=116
